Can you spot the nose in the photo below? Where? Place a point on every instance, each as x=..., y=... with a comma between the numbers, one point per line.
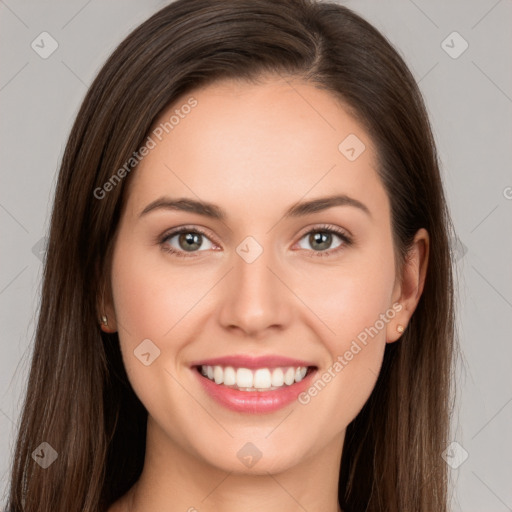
x=256, y=298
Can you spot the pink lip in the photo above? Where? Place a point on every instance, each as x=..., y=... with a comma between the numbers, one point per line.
x=244, y=361
x=255, y=402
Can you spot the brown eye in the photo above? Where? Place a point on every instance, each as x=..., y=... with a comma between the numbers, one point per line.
x=184, y=241
x=189, y=241
x=321, y=241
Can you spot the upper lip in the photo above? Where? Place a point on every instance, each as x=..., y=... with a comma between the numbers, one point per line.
x=245, y=361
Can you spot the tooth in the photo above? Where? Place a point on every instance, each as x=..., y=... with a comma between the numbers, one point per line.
x=244, y=378
x=300, y=373
x=218, y=374
x=262, y=379
x=229, y=376
x=289, y=376
x=277, y=377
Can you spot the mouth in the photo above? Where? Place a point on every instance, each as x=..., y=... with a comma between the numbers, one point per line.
x=255, y=379
x=254, y=385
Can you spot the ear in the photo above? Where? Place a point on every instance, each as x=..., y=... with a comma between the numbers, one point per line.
x=105, y=308
x=409, y=288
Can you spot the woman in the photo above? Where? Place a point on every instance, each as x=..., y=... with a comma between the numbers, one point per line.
x=247, y=297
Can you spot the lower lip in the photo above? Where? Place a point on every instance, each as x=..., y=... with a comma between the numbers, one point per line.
x=256, y=402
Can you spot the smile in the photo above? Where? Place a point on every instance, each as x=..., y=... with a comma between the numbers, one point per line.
x=246, y=379
x=256, y=385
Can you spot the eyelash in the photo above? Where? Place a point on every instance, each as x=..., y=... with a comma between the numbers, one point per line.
x=347, y=241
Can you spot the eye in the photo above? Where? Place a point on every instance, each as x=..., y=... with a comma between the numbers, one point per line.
x=321, y=240
x=184, y=240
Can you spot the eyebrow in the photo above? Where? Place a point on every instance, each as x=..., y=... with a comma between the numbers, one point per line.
x=213, y=211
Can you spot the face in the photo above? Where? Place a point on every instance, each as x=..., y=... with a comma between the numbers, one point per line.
x=263, y=285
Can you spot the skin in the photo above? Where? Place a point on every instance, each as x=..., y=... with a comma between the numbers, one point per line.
x=254, y=150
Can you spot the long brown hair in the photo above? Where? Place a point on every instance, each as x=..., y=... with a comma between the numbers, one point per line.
x=79, y=399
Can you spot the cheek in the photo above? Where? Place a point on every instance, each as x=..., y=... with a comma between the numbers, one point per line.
x=151, y=296
x=353, y=301
x=351, y=296
x=150, y=299
x=146, y=307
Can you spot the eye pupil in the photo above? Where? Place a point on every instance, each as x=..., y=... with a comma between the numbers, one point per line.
x=190, y=241
x=321, y=237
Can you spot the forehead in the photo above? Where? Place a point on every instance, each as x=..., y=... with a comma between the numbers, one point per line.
x=272, y=142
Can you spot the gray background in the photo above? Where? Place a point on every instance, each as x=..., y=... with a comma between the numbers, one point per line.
x=469, y=99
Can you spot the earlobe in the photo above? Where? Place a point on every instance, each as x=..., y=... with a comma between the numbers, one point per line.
x=396, y=334
x=104, y=324
x=107, y=319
